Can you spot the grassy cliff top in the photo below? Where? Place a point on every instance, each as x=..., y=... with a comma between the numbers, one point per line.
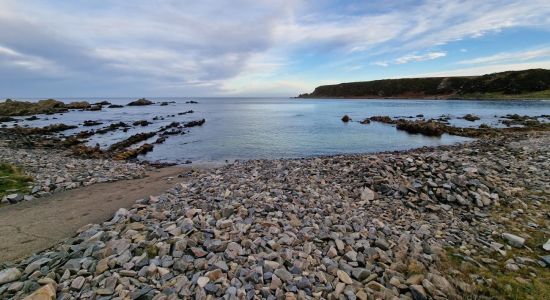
x=526, y=84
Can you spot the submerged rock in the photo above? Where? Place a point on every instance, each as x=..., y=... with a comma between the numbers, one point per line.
x=470, y=117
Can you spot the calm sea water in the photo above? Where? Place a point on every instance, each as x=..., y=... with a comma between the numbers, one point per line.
x=255, y=128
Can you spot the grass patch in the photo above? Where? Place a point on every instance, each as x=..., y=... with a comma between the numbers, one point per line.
x=12, y=180
x=496, y=282
x=495, y=96
x=493, y=280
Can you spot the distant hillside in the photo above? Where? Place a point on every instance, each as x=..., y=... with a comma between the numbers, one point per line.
x=533, y=83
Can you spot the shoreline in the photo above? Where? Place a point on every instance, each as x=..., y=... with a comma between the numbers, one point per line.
x=321, y=226
x=32, y=226
x=426, y=98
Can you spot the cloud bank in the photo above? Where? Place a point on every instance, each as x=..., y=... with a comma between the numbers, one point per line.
x=242, y=47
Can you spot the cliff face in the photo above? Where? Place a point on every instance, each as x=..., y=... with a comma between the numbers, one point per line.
x=504, y=83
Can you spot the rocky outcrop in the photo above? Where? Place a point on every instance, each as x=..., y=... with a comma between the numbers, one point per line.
x=49, y=106
x=504, y=85
x=141, y=102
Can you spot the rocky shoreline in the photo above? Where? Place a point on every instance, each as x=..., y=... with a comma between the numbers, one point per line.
x=53, y=171
x=431, y=223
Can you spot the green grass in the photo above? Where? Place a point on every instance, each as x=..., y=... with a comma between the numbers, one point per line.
x=12, y=180
x=533, y=95
x=501, y=283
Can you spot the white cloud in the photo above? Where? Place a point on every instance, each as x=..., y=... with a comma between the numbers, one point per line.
x=12, y=58
x=509, y=57
x=175, y=47
x=381, y=63
x=420, y=57
x=487, y=69
x=413, y=57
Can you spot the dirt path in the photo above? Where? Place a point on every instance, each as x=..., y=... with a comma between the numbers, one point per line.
x=37, y=225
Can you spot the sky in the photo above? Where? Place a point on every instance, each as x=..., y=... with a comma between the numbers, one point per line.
x=180, y=48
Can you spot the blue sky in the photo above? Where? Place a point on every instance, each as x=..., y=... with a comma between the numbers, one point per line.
x=134, y=48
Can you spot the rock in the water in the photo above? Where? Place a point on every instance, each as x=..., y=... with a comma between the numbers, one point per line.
x=140, y=102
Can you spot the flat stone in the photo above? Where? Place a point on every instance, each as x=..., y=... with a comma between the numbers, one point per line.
x=15, y=287
x=360, y=274
x=47, y=292
x=272, y=264
x=395, y=281
x=418, y=292
x=35, y=265
x=415, y=279
x=376, y=286
x=283, y=274
x=351, y=256
x=198, y=252
x=78, y=283
x=275, y=282
x=214, y=275
x=9, y=275
x=332, y=252
x=303, y=283
x=367, y=194
x=72, y=265
x=339, y=245
x=441, y=283
x=102, y=266
x=382, y=244
x=202, y=281
x=344, y=277
x=513, y=240
x=361, y=295
x=104, y=292
x=127, y=273
x=14, y=198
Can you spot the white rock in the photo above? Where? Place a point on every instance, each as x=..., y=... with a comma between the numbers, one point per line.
x=9, y=275
x=513, y=240
x=202, y=281
x=367, y=194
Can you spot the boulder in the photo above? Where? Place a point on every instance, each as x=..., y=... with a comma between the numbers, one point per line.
x=140, y=102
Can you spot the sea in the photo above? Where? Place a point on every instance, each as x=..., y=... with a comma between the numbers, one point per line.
x=271, y=128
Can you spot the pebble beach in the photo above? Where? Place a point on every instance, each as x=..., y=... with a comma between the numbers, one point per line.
x=430, y=223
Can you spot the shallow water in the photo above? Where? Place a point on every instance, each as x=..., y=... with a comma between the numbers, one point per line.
x=254, y=128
